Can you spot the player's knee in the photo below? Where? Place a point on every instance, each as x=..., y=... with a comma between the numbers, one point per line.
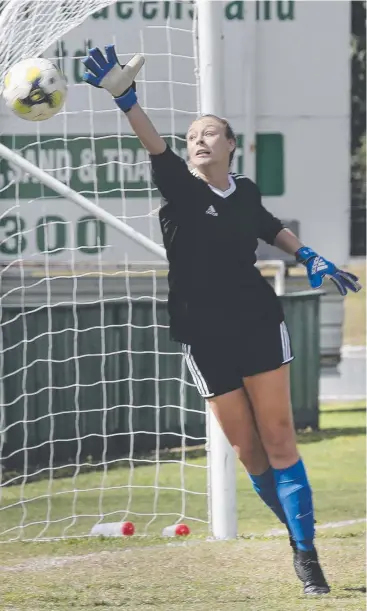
x=280, y=443
x=253, y=457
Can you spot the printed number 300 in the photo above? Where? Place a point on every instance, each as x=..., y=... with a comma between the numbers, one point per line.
x=52, y=235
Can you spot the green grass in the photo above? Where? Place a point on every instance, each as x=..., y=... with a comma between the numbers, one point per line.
x=252, y=573
x=240, y=575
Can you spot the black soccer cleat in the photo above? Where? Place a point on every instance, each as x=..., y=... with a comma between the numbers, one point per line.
x=309, y=571
x=293, y=545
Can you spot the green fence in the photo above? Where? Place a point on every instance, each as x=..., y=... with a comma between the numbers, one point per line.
x=81, y=379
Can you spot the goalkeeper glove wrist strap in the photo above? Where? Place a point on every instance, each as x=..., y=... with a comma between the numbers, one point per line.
x=127, y=100
x=304, y=254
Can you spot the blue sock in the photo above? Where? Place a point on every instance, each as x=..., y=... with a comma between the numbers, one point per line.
x=264, y=485
x=295, y=495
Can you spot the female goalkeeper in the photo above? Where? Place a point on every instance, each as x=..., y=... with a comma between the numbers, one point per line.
x=224, y=313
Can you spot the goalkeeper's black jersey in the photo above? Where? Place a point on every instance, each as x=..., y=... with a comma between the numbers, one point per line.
x=211, y=238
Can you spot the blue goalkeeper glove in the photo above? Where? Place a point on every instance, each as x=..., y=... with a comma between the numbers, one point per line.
x=318, y=267
x=107, y=73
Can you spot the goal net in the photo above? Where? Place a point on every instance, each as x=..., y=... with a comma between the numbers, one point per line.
x=99, y=421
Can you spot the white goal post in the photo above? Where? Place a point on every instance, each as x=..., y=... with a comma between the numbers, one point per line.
x=221, y=472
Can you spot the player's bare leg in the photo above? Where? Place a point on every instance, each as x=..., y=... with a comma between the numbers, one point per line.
x=269, y=393
x=234, y=414
x=271, y=401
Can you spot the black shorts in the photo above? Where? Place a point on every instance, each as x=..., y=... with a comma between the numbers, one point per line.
x=217, y=365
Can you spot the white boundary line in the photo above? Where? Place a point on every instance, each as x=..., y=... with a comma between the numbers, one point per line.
x=283, y=531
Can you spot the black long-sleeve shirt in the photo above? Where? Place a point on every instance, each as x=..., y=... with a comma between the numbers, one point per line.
x=211, y=238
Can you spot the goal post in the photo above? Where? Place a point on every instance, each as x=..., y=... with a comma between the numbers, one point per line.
x=222, y=459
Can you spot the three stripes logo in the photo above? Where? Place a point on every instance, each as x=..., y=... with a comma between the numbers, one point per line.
x=211, y=210
x=318, y=265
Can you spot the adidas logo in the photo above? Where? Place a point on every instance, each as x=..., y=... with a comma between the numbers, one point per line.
x=211, y=210
x=318, y=265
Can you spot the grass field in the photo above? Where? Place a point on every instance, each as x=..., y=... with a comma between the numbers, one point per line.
x=252, y=573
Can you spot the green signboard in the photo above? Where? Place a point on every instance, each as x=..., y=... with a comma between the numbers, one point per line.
x=109, y=165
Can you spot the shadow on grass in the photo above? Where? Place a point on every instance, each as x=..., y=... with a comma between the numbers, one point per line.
x=362, y=590
x=331, y=433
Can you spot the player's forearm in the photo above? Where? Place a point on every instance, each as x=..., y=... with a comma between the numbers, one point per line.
x=145, y=130
x=287, y=241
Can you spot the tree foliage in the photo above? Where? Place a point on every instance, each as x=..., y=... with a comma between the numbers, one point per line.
x=358, y=128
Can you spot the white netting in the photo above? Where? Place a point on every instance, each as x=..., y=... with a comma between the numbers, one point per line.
x=45, y=20
x=97, y=416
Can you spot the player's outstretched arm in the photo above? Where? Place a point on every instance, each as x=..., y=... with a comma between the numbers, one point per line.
x=105, y=71
x=145, y=130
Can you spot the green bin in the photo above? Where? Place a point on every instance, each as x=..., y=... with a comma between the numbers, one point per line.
x=302, y=314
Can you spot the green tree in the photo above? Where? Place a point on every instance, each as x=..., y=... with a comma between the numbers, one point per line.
x=358, y=129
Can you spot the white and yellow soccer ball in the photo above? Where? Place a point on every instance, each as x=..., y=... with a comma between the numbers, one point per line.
x=34, y=89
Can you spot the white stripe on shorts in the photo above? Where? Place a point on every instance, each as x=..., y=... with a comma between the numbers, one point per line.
x=286, y=343
x=196, y=373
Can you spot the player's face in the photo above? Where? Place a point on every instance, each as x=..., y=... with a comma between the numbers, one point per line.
x=207, y=143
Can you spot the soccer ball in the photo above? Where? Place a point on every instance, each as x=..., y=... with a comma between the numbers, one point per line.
x=34, y=89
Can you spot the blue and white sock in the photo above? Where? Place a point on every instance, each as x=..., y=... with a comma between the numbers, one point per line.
x=264, y=485
x=295, y=496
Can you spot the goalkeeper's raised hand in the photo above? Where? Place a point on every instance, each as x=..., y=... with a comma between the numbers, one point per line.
x=107, y=73
x=318, y=267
